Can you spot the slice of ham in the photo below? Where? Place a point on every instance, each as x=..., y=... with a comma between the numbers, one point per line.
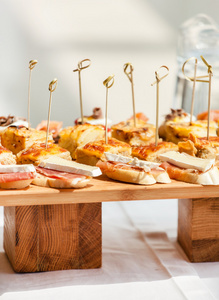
x=9, y=177
x=59, y=174
x=113, y=165
x=177, y=172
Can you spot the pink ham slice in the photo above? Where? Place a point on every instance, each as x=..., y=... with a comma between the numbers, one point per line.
x=9, y=177
x=59, y=174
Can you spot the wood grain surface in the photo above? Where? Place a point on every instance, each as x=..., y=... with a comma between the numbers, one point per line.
x=103, y=189
x=198, y=228
x=53, y=237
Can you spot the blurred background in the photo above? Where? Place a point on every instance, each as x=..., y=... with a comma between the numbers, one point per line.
x=110, y=33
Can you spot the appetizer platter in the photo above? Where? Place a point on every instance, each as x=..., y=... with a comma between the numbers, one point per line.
x=71, y=171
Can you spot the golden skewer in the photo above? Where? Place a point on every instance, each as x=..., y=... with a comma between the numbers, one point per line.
x=158, y=79
x=130, y=77
x=81, y=67
x=199, y=79
x=32, y=64
x=210, y=74
x=194, y=81
x=51, y=89
x=107, y=85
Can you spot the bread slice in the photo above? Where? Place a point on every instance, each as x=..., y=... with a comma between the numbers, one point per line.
x=38, y=152
x=18, y=185
x=128, y=174
x=152, y=152
x=176, y=132
x=93, y=151
x=159, y=174
x=71, y=138
x=45, y=181
x=184, y=167
x=142, y=134
x=7, y=157
x=17, y=140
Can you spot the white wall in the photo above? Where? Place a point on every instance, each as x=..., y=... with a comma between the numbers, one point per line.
x=59, y=33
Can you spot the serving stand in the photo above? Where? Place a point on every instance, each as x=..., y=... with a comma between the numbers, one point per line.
x=49, y=229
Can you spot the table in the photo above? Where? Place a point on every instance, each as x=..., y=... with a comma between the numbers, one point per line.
x=141, y=259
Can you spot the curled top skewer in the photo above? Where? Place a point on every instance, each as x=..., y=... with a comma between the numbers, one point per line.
x=158, y=78
x=32, y=64
x=53, y=82
x=80, y=64
x=107, y=81
x=198, y=78
x=128, y=73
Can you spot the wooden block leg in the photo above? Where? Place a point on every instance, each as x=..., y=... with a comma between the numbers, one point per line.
x=198, y=228
x=53, y=237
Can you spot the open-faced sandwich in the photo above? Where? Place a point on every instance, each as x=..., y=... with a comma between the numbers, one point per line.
x=91, y=152
x=177, y=127
x=60, y=173
x=13, y=176
x=132, y=170
x=151, y=152
x=77, y=136
x=141, y=134
x=38, y=152
x=18, y=139
x=187, y=168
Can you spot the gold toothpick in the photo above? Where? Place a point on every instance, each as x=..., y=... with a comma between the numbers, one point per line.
x=210, y=74
x=107, y=85
x=200, y=79
x=158, y=79
x=194, y=79
x=52, y=87
x=81, y=67
x=130, y=77
x=32, y=64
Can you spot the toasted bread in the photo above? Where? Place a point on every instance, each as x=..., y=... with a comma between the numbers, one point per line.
x=38, y=152
x=77, y=136
x=92, y=152
x=17, y=140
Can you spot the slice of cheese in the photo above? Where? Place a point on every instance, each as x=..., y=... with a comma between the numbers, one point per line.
x=130, y=160
x=17, y=168
x=210, y=177
x=60, y=164
x=186, y=161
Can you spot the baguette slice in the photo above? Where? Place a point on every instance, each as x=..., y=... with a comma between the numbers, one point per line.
x=44, y=181
x=125, y=173
x=16, y=176
x=159, y=174
x=211, y=177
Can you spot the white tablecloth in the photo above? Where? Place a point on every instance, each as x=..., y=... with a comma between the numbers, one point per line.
x=141, y=260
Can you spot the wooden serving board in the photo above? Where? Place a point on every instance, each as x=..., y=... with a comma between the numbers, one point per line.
x=103, y=189
x=49, y=229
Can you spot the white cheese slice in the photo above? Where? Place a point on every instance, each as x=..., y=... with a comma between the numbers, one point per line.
x=130, y=160
x=60, y=164
x=17, y=168
x=183, y=160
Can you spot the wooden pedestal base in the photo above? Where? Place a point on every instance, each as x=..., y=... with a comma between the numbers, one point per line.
x=53, y=237
x=198, y=228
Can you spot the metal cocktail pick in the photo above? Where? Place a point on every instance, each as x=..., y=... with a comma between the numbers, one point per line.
x=52, y=87
x=32, y=64
x=158, y=79
x=194, y=79
x=81, y=67
x=130, y=77
x=108, y=85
